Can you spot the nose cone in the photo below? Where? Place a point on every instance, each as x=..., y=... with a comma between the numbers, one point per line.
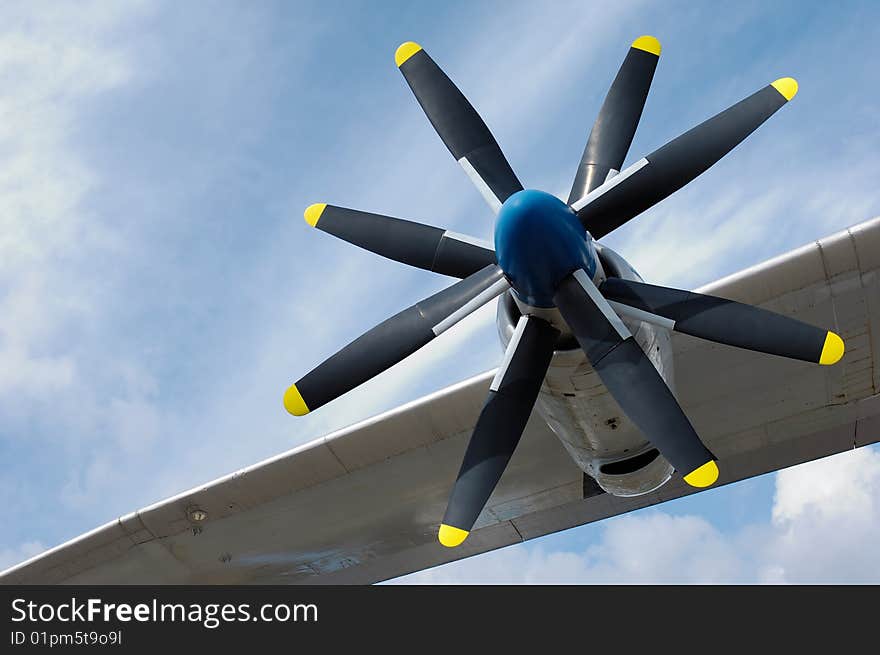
x=533, y=205
x=538, y=241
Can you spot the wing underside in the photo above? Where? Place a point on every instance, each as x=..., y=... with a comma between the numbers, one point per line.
x=363, y=504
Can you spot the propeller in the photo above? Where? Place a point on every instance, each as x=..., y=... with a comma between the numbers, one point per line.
x=618, y=118
x=459, y=125
x=423, y=246
x=545, y=257
x=512, y=395
x=729, y=322
x=666, y=170
x=393, y=340
x=632, y=380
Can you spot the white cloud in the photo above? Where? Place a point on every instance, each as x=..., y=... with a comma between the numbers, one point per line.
x=826, y=521
x=653, y=548
x=663, y=246
x=52, y=63
x=58, y=382
x=824, y=529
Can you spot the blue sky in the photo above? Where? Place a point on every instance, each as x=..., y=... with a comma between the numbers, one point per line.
x=159, y=288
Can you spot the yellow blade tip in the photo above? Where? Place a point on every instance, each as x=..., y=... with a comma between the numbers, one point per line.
x=787, y=86
x=405, y=51
x=294, y=403
x=450, y=536
x=832, y=351
x=313, y=213
x=704, y=476
x=648, y=44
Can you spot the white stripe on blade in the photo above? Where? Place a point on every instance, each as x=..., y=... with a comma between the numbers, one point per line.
x=508, y=354
x=641, y=315
x=471, y=306
x=609, y=184
x=587, y=284
x=611, y=173
x=481, y=185
x=464, y=238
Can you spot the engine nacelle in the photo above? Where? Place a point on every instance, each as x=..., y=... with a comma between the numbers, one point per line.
x=598, y=436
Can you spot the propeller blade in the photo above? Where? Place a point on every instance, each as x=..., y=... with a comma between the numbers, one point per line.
x=666, y=170
x=512, y=395
x=616, y=124
x=729, y=322
x=632, y=379
x=393, y=340
x=423, y=246
x=459, y=125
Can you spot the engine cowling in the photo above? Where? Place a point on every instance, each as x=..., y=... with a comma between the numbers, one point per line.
x=598, y=436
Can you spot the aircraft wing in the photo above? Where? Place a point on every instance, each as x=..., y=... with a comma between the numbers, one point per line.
x=363, y=504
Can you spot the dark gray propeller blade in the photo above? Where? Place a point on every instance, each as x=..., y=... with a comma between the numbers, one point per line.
x=666, y=170
x=393, y=340
x=729, y=322
x=512, y=395
x=632, y=379
x=422, y=246
x=618, y=118
x=458, y=124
